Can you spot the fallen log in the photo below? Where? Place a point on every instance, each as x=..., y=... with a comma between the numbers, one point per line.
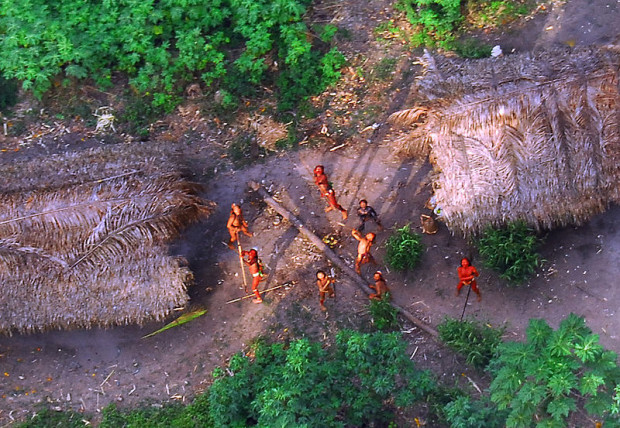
x=331, y=255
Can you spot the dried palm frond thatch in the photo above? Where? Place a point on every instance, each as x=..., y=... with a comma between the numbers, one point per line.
x=82, y=240
x=533, y=136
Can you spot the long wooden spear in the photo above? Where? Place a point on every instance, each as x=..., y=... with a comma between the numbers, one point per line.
x=252, y=295
x=245, y=282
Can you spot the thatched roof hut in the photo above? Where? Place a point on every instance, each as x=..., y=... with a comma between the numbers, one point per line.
x=531, y=136
x=83, y=239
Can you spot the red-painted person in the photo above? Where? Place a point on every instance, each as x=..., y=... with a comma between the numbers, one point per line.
x=381, y=289
x=467, y=276
x=325, y=289
x=363, y=249
x=236, y=223
x=256, y=270
x=320, y=179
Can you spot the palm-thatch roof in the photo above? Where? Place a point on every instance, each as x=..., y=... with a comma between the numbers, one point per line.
x=531, y=136
x=83, y=239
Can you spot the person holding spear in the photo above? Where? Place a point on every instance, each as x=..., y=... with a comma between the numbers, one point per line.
x=256, y=270
x=236, y=223
x=467, y=276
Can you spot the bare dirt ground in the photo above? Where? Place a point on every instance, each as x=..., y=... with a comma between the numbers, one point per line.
x=86, y=370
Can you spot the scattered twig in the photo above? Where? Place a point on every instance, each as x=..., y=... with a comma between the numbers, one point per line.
x=419, y=301
x=337, y=147
x=106, y=379
x=474, y=384
x=116, y=176
x=414, y=352
x=132, y=390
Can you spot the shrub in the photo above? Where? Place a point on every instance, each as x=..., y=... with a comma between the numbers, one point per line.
x=404, y=249
x=437, y=20
x=554, y=374
x=478, y=342
x=358, y=379
x=163, y=45
x=8, y=93
x=244, y=150
x=511, y=251
x=494, y=13
x=464, y=412
x=47, y=418
x=384, y=316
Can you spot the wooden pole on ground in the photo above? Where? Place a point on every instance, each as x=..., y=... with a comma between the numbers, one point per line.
x=331, y=255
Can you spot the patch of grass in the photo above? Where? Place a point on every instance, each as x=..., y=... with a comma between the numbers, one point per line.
x=511, y=251
x=476, y=341
x=472, y=48
x=404, y=249
x=245, y=150
x=138, y=115
x=8, y=93
x=492, y=13
x=388, y=30
x=17, y=127
x=48, y=418
x=383, y=69
x=440, y=22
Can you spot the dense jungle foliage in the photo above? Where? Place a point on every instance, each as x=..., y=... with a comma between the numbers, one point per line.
x=365, y=379
x=161, y=46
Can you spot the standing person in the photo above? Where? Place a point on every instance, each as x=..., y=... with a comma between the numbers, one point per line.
x=324, y=283
x=256, y=270
x=320, y=179
x=363, y=249
x=365, y=212
x=380, y=287
x=236, y=223
x=467, y=276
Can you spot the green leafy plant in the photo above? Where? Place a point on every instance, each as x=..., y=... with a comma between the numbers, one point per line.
x=478, y=342
x=463, y=412
x=615, y=407
x=404, y=249
x=436, y=20
x=383, y=69
x=511, y=251
x=384, y=316
x=359, y=379
x=554, y=374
